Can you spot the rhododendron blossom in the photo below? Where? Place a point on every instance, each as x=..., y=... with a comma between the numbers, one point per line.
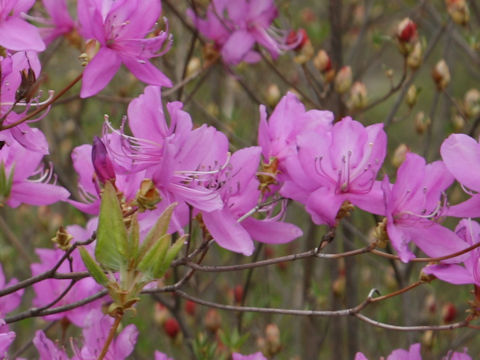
x=15, y=33
x=235, y=27
x=411, y=206
x=337, y=165
x=121, y=27
x=29, y=182
x=238, y=187
x=461, y=155
x=469, y=232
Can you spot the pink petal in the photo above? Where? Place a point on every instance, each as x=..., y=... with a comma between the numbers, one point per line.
x=373, y=202
x=454, y=274
x=323, y=205
x=468, y=208
x=271, y=232
x=237, y=46
x=17, y=34
x=34, y=193
x=99, y=72
x=227, y=232
x=400, y=240
x=125, y=342
x=436, y=240
x=461, y=155
x=146, y=72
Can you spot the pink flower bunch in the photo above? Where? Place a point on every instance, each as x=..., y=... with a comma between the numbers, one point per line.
x=236, y=26
x=191, y=167
x=121, y=28
x=413, y=353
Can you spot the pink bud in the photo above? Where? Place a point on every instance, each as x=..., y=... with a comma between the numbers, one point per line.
x=101, y=162
x=406, y=30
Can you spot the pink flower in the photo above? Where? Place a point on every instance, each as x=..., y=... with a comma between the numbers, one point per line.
x=9, y=302
x=121, y=27
x=278, y=136
x=60, y=22
x=232, y=227
x=335, y=166
x=412, y=204
x=175, y=157
x=161, y=356
x=95, y=332
x=11, y=68
x=235, y=27
x=469, y=232
x=15, y=33
x=256, y=356
x=6, y=339
x=29, y=182
x=413, y=353
x=461, y=155
x=48, y=290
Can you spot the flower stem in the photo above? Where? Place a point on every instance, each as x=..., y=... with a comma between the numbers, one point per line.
x=110, y=337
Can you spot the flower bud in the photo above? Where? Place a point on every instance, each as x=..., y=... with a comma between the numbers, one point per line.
x=458, y=123
x=238, y=294
x=272, y=339
x=471, y=103
x=212, y=320
x=406, y=35
x=62, y=239
x=343, y=80
x=399, y=155
x=380, y=234
x=415, y=56
x=449, y=312
x=305, y=54
x=459, y=11
x=427, y=339
x=273, y=95
x=406, y=30
x=421, y=122
x=441, y=75
x=297, y=38
x=160, y=314
x=358, y=96
x=412, y=95
x=322, y=61
x=101, y=161
x=171, y=327
x=91, y=49
x=190, y=307
x=193, y=66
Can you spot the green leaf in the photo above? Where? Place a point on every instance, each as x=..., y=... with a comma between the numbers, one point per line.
x=112, y=248
x=154, y=256
x=159, y=230
x=162, y=266
x=133, y=238
x=93, y=268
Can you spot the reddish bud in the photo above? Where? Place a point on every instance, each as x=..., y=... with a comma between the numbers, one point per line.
x=322, y=61
x=238, y=294
x=190, y=307
x=101, y=162
x=171, y=327
x=298, y=37
x=269, y=252
x=212, y=320
x=406, y=30
x=449, y=312
x=441, y=75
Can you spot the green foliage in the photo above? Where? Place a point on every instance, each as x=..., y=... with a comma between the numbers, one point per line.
x=112, y=249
